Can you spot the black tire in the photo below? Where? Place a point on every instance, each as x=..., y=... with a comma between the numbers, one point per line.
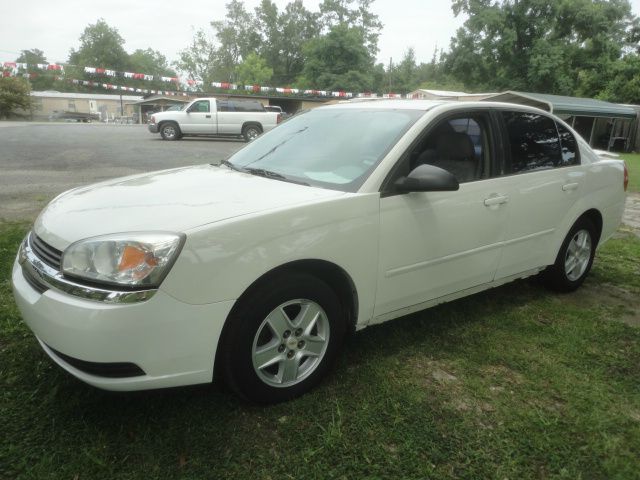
x=170, y=131
x=251, y=132
x=559, y=276
x=248, y=324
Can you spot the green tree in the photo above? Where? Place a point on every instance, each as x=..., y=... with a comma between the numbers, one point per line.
x=14, y=95
x=33, y=56
x=624, y=83
x=100, y=46
x=217, y=59
x=283, y=36
x=198, y=60
x=254, y=71
x=237, y=38
x=338, y=60
x=339, y=12
x=151, y=62
x=404, y=76
x=40, y=80
x=537, y=45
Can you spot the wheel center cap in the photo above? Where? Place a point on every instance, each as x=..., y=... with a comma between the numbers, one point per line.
x=292, y=343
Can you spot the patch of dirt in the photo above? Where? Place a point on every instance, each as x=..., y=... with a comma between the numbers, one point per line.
x=608, y=295
x=631, y=216
x=503, y=374
x=430, y=372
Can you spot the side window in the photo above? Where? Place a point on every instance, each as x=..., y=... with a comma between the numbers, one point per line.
x=244, y=106
x=223, y=106
x=201, y=106
x=458, y=145
x=534, y=142
x=569, y=146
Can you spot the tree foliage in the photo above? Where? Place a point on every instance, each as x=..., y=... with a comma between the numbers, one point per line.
x=40, y=80
x=254, y=71
x=339, y=12
x=14, y=95
x=338, y=60
x=562, y=47
x=100, y=45
x=283, y=36
x=294, y=42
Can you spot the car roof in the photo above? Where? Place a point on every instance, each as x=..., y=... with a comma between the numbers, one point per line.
x=405, y=104
x=425, y=105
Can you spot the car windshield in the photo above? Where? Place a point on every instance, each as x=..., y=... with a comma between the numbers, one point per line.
x=330, y=148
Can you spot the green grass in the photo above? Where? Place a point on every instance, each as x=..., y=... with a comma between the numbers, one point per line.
x=511, y=383
x=633, y=163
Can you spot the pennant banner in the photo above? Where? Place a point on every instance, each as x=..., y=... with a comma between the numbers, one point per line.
x=14, y=68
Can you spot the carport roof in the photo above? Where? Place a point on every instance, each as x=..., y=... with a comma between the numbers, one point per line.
x=161, y=101
x=561, y=105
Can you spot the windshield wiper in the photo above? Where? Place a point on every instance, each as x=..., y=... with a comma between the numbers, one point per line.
x=269, y=174
x=227, y=163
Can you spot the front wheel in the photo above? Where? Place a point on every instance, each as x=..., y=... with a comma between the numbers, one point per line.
x=283, y=339
x=170, y=131
x=575, y=258
x=251, y=132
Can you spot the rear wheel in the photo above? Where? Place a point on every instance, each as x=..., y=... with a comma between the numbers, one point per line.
x=251, y=132
x=170, y=131
x=575, y=258
x=283, y=339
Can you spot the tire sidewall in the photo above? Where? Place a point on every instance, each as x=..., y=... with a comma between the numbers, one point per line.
x=557, y=275
x=176, y=129
x=249, y=128
x=244, y=323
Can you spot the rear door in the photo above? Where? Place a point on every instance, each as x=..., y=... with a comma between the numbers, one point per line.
x=543, y=177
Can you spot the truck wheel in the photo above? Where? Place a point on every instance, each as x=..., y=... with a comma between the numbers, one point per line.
x=574, y=259
x=282, y=340
x=170, y=131
x=251, y=132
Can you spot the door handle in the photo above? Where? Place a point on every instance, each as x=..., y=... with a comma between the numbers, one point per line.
x=495, y=200
x=208, y=116
x=570, y=186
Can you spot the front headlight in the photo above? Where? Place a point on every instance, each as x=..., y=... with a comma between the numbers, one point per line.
x=126, y=259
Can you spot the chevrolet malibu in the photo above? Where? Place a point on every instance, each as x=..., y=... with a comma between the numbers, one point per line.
x=343, y=217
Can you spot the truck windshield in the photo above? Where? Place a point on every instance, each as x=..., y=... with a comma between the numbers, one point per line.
x=330, y=148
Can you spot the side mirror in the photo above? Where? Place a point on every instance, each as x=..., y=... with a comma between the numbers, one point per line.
x=427, y=178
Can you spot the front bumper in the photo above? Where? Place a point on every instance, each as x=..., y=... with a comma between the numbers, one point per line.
x=153, y=127
x=172, y=342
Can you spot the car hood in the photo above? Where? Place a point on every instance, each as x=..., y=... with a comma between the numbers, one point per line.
x=171, y=200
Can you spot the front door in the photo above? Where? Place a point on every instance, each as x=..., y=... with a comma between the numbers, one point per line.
x=438, y=243
x=199, y=119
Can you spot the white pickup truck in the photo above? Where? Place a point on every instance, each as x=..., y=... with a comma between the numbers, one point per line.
x=215, y=117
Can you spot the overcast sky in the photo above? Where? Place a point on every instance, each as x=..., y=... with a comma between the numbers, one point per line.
x=55, y=26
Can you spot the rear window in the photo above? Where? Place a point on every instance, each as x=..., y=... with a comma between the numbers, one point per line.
x=534, y=142
x=240, y=106
x=569, y=146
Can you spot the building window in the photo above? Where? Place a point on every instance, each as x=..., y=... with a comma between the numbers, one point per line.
x=72, y=106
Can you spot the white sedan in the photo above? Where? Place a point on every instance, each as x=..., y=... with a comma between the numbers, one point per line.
x=343, y=217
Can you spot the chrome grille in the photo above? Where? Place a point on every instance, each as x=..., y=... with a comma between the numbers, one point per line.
x=45, y=252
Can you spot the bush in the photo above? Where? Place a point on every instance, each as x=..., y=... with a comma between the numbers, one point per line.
x=14, y=95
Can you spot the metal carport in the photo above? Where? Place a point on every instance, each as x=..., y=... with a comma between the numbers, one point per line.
x=603, y=124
